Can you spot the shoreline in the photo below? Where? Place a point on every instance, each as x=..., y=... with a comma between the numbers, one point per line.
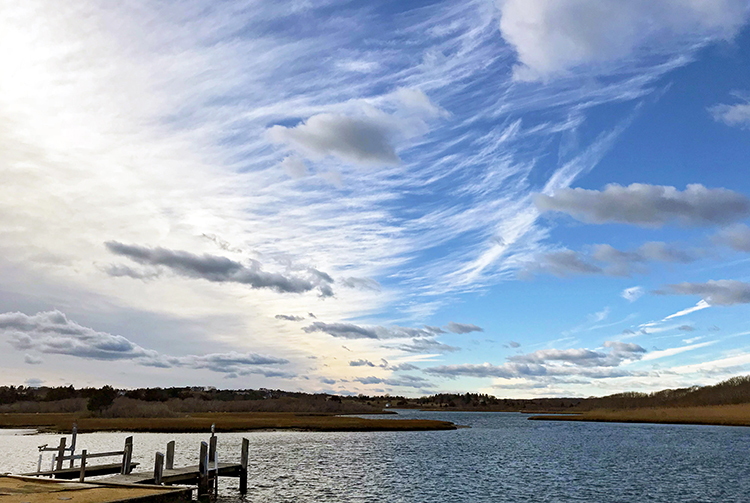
x=715, y=415
x=225, y=422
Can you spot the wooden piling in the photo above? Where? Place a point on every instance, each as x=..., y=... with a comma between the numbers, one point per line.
x=203, y=470
x=127, y=454
x=212, y=462
x=170, y=455
x=158, y=468
x=73, y=444
x=60, y=454
x=83, y=466
x=243, y=465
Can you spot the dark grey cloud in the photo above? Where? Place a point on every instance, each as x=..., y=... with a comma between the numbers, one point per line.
x=361, y=363
x=352, y=331
x=427, y=346
x=514, y=344
x=722, y=292
x=343, y=330
x=562, y=263
x=288, y=317
x=362, y=140
x=516, y=370
x=32, y=360
x=120, y=271
x=607, y=260
x=552, y=362
x=736, y=237
x=325, y=380
x=406, y=381
x=649, y=205
x=361, y=283
x=403, y=366
x=686, y=328
x=222, y=270
x=462, y=328
x=619, y=351
x=51, y=332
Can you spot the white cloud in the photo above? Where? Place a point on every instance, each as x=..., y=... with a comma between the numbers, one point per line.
x=737, y=114
x=633, y=293
x=294, y=167
x=552, y=36
x=702, y=304
x=663, y=353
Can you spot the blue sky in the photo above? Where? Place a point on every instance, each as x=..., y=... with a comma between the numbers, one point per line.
x=520, y=197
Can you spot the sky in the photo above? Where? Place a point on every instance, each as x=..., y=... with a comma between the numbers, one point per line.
x=515, y=197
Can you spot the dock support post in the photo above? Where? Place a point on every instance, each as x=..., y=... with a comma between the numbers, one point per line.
x=203, y=471
x=158, y=468
x=213, y=462
x=83, y=466
x=126, y=456
x=243, y=465
x=73, y=444
x=60, y=454
x=170, y=455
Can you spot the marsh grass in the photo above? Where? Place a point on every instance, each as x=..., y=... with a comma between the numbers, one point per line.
x=728, y=415
x=225, y=422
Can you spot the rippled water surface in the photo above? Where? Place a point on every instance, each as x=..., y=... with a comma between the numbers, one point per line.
x=502, y=457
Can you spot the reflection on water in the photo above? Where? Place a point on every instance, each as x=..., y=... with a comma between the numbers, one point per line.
x=502, y=457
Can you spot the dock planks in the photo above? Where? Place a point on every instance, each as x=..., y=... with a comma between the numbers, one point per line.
x=20, y=489
x=183, y=475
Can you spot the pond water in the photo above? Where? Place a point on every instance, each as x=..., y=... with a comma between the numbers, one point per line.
x=503, y=457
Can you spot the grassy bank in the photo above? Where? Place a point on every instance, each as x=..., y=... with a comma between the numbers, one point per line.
x=727, y=415
x=225, y=422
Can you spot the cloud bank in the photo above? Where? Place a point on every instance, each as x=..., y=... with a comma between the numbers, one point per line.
x=51, y=332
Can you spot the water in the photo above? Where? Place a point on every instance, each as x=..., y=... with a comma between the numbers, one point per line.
x=501, y=458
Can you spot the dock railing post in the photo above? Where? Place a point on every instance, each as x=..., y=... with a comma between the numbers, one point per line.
x=170, y=455
x=83, y=466
x=158, y=468
x=203, y=470
x=243, y=465
x=60, y=454
x=127, y=454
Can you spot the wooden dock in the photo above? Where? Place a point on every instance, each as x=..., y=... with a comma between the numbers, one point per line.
x=188, y=475
x=20, y=489
x=204, y=477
